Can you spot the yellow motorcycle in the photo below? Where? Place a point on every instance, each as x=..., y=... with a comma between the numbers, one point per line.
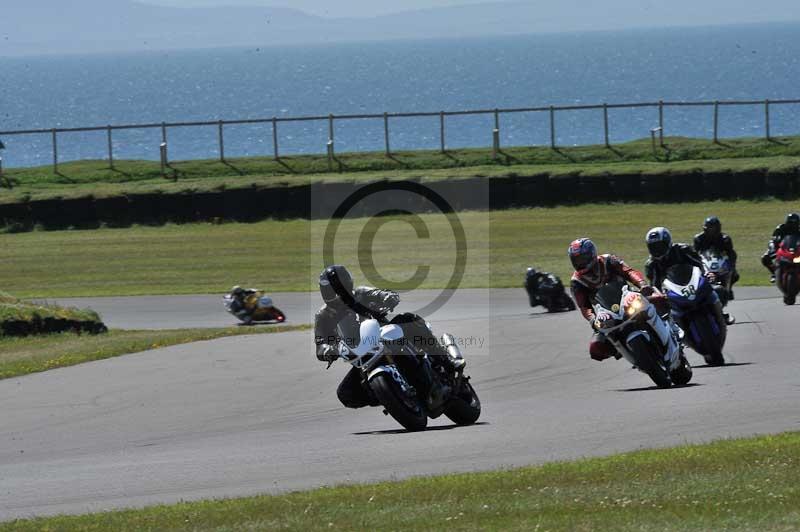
x=252, y=306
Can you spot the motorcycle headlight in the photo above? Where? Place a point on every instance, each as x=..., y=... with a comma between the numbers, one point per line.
x=797, y=260
x=634, y=307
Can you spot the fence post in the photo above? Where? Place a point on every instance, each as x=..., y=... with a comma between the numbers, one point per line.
x=716, y=122
x=221, y=142
x=605, y=124
x=163, y=150
x=766, y=116
x=653, y=138
x=55, y=151
x=331, y=143
x=552, y=127
x=331, y=134
x=496, y=134
x=164, y=159
x=275, y=138
x=441, y=131
x=386, y=133
x=110, y=148
x=661, y=122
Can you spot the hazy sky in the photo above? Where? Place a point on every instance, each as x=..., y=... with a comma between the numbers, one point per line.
x=330, y=8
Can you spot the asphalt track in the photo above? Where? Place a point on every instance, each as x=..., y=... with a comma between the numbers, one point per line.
x=258, y=414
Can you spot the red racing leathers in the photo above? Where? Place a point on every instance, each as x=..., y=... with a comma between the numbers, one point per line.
x=584, y=286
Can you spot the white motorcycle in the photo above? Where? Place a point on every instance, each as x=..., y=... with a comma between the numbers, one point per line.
x=404, y=380
x=645, y=339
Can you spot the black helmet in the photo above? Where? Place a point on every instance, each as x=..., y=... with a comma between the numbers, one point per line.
x=335, y=282
x=659, y=240
x=712, y=225
x=793, y=221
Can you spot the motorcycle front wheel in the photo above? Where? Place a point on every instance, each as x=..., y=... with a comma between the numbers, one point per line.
x=404, y=409
x=711, y=341
x=646, y=361
x=683, y=375
x=465, y=408
x=790, y=288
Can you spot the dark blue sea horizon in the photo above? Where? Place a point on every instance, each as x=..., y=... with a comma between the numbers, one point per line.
x=726, y=63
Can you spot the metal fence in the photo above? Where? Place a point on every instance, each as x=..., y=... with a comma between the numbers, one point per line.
x=330, y=148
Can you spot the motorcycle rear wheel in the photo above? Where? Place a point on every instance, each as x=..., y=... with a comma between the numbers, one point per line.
x=464, y=409
x=397, y=404
x=646, y=361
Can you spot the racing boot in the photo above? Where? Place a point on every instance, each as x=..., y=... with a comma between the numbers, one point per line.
x=721, y=319
x=454, y=355
x=244, y=316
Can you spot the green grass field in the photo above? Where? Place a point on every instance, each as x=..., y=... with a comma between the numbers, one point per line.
x=280, y=256
x=95, y=178
x=730, y=485
x=21, y=356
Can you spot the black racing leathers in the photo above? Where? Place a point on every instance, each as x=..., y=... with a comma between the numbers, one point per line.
x=781, y=232
x=656, y=269
x=336, y=317
x=721, y=243
x=367, y=302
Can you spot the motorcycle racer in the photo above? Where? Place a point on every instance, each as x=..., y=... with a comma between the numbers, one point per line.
x=663, y=255
x=239, y=303
x=343, y=302
x=790, y=227
x=712, y=237
x=546, y=289
x=592, y=272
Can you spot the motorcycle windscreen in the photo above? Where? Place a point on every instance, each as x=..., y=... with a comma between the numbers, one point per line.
x=680, y=274
x=791, y=243
x=350, y=330
x=610, y=294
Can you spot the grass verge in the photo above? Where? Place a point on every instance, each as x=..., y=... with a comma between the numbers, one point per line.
x=82, y=178
x=748, y=484
x=21, y=318
x=22, y=356
x=279, y=256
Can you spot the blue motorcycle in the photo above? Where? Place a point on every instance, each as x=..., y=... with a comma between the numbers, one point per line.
x=696, y=308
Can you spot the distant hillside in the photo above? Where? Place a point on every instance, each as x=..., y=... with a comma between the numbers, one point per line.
x=52, y=26
x=60, y=26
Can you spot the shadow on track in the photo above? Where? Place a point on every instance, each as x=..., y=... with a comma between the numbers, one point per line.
x=727, y=365
x=429, y=429
x=657, y=389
